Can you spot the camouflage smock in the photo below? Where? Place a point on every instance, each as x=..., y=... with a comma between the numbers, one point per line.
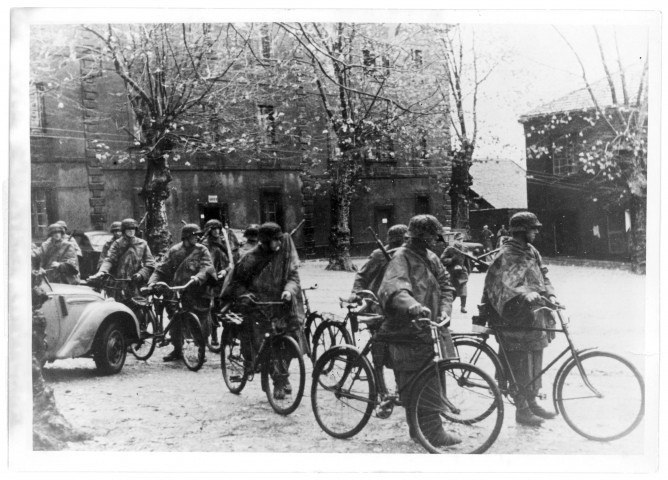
x=126, y=257
x=62, y=252
x=517, y=270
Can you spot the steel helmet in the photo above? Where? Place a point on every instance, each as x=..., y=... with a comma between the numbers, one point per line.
x=252, y=230
x=128, y=223
x=523, y=221
x=422, y=226
x=115, y=227
x=396, y=233
x=55, y=227
x=190, y=229
x=269, y=231
x=213, y=223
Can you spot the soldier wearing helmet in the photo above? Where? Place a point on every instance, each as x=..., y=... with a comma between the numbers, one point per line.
x=251, y=234
x=115, y=230
x=515, y=282
x=371, y=273
x=57, y=258
x=129, y=257
x=269, y=273
x=416, y=284
x=187, y=261
x=487, y=238
x=457, y=265
x=70, y=238
x=214, y=241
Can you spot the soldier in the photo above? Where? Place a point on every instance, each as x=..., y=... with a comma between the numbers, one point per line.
x=456, y=264
x=371, y=273
x=251, y=238
x=514, y=284
x=416, y=284
x=487, y=238
x=128, y=257
x=185, y=261
x=115, y=230
x=57, y=258
x=70, y=238
x=221, y=264
x=269, y=272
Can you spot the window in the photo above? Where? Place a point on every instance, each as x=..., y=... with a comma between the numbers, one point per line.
x=417, y=58
x=271, y=207
x=42, y=210
x=422, y=204
x=37, y=110
x=265, y=41
x=267, y=124
x=564, y=156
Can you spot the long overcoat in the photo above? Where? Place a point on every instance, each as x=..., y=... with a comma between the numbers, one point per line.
x=128, y=256
x=517, y=270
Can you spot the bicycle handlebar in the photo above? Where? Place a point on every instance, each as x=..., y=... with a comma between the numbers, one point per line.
x=164, y=286
x=252, y=299
x=314, y=287
x=431, y=323
x=363, y=295
x=549, y=305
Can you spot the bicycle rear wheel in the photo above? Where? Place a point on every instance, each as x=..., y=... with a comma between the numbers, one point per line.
x=329, y=334
x=312, y=322
x=343, y=391
x=232, y=360
x=146, y=345
x=193, y=345
x=283, y=361
x=450, y=410
x=616, y=411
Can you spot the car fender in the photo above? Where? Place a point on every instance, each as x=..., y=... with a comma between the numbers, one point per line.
x=82, y=337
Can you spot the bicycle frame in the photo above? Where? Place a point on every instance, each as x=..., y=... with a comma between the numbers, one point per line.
x=498, y=332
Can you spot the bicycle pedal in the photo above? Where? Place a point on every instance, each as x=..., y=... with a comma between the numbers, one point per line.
x=164, y=343
x=385, y=409
x=541, y=396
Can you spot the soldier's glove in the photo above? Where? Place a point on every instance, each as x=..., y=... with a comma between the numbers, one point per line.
x=416, y=310
x=353, y=298
x=286, y=296
x=457, y=268
x=54, y=265
x=532, y=297
x=137, y=278
x=222, y=274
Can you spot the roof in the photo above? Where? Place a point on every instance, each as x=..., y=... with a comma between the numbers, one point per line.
x=500, y=182
x=581, y=99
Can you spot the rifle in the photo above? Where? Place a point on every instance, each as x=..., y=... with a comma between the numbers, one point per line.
x=380, y=244
x=228, y=277
x=294, y=230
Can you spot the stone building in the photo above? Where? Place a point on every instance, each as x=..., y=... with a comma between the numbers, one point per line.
x=281, y=180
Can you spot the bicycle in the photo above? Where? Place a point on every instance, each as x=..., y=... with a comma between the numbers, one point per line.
x=153, y=304
x=313, y=320
x=601, y=395
x=240, y=360
x=346, y=389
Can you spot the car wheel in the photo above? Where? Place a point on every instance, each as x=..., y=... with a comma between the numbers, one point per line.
x=110, y=351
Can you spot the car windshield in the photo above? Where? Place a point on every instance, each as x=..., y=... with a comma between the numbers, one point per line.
x=98, y=239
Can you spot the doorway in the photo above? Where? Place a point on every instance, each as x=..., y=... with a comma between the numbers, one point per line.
x=383, y=219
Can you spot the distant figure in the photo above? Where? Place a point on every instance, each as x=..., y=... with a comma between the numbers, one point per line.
x=57, y=258
x=487, y=238
x=69, y=238
x=456, y=264
x=116, y=233
x=502, y=236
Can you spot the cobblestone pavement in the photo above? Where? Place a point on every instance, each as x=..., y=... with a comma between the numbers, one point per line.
x=158, y=407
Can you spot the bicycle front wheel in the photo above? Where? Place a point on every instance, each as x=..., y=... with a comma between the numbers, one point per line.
x=284, y=362
x=313, y=321
x=613, y=403
x=193, y=343
x=327, y=335
x=475, y=352
x=232, y=360
x=450, y=409
x=146, y=345
x=343, y=391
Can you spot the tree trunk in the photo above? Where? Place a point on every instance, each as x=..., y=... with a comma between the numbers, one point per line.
x=460, y=188
x=155, y=193
x=341, y=197
x=50, y=429
x=638, y=233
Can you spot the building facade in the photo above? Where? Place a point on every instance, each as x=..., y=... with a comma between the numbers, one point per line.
x=283, y=179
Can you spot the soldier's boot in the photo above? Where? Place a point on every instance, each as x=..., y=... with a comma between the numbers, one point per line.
x=538, y=410
x=463, y=302
x=214, y=335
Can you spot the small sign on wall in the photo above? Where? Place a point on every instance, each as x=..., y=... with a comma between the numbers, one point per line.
x=213, y=198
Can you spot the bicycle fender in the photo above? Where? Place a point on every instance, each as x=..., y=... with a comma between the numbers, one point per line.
x=339, y=348
x=560, y=372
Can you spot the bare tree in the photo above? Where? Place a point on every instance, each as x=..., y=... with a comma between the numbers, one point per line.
x=373, y=89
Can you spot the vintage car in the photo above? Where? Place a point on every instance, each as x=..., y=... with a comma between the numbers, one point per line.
x=81, y=322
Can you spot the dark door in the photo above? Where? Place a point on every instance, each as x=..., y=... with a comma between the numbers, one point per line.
x=271, y=207
x=383, y=219
x=208, y=211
